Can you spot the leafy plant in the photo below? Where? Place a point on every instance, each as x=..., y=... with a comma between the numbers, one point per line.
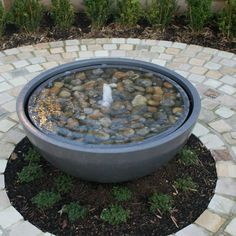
x=129, y=12
x=185, y=184
x=30, y=173
x=75, y=211
x=121, y=193
x=98, y=11
x=2, y=19
x=46, y=199
x=64, y=183
x=227, y=19
x=161, y=202
x=115, y=214
x=188, y=157
x=198, y=13
x=32, y=156
x=160, y=12
x=62, y=13
x=26, y=14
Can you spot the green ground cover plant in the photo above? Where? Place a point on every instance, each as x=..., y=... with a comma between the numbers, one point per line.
x=115, y=215
x=198, y=13
x=121, y=193
x=227, y=19
x=160, y=12
x=98, y=12
x=75, y=211
x=160, y=202
x=32, y=156
x=188, y=157
x=185, y=184
x=46, y=199
x=129, y=12
x=30, y=173
x=2, y=19
x=26, y=14
x=64, y=183
x=63, y=14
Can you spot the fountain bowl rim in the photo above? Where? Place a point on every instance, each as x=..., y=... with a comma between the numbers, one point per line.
x=195, y=107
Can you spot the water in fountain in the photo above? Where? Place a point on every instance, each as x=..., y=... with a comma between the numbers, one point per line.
x=106, y=105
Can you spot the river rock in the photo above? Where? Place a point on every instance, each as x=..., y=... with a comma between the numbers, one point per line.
x=105, y=122
x=177, y=110
x=139, y=100
x=89, y=85
x=153, y=103
x=96, y=115
x=144, y=82
x=158, y=90
x=80, y=75
x=98, y=71
x=64, y=94
x=58, y=84
x=128, y=132
x=167, y=85
x=119, y=75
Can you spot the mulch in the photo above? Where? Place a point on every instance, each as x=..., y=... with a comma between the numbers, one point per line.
x=95, y=197
x=178, y=31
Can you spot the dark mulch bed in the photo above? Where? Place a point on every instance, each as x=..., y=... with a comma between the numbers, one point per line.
x=178, y=31
x=187, y=206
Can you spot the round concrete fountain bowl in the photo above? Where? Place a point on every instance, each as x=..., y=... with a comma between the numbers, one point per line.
x=109, y=163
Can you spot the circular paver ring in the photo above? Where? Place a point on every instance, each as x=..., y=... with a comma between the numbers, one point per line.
x=213, y=73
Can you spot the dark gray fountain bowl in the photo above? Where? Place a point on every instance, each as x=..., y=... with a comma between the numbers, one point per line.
x=109, y=163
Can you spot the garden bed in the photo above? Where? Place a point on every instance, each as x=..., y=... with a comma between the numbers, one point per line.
x=176, y=32
x=159, y=204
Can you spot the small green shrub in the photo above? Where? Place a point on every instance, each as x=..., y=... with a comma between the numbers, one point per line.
x=161, y=202
x=75, y=211
x=98, y=12
x=121, y=193
x=64, y=183
x=62, y=13
x=115, y=215
x=129, y=12
x=160, y=12
x=46, y=199
x=32, y=156
x=188, y=157
x=30, y=173
x=185, y=184
x=26, y=14
x=198, y=13
x=227, y=19
x=2, y=19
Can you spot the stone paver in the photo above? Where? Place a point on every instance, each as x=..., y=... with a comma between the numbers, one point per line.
x=210, y=221
x=23, y=228
x=212, y=72
x=231, y=227
x=9, y=216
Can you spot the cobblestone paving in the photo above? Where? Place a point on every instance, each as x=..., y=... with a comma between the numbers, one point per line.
x=213, y=73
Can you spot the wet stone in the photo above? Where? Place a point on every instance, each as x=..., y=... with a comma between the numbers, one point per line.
x=143, y=105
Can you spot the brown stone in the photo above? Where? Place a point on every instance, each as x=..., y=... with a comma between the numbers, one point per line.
x=72, y=123
x=167, y=85
x=211, y=93
x=153, y=103
x=120, y=75
x=152, y=109
x=96, y=115
x=177, y=110
x=90, y=84
x=120, y=87
x=156, y=97
x=158, y=90
x=149, y=90
x=54, y=90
